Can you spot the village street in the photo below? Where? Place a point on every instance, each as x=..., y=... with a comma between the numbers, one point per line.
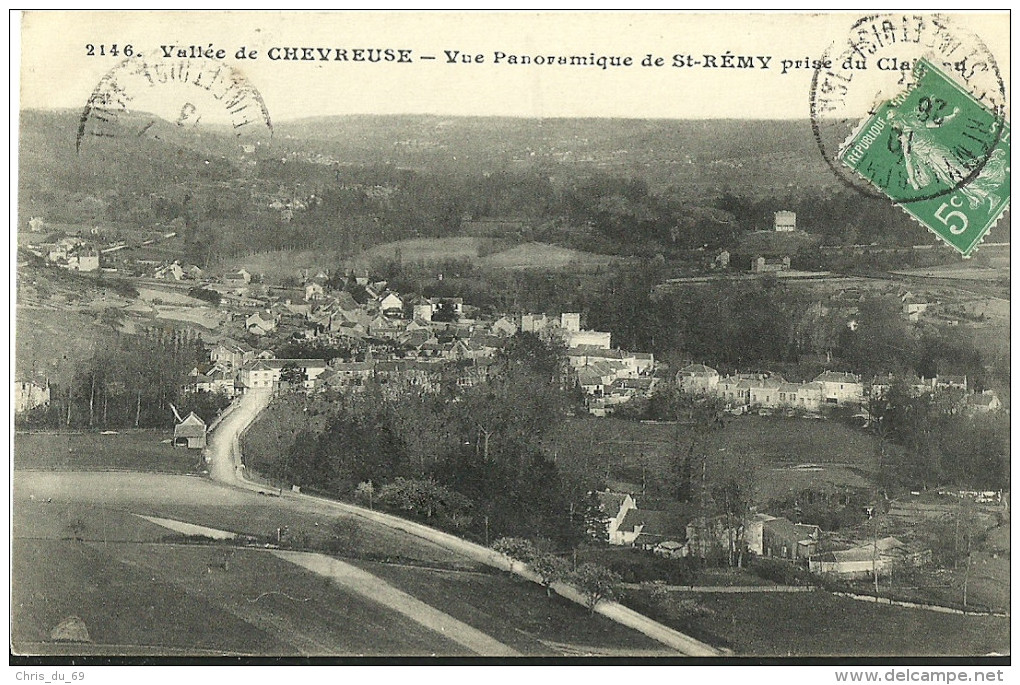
x=222, y=452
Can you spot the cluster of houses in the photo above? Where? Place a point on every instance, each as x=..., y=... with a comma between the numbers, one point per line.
x=668, y=534
x=70, y=252
x=414, y=339
x=175, y=271
x=744, y=391
x=747, y=391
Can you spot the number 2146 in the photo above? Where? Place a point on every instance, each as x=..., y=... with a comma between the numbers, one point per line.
x=111, y=50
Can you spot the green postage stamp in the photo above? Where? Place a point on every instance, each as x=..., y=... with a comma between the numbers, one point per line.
x=940, y=154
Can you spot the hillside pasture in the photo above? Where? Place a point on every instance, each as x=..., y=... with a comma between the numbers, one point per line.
x=820, y=624
x=785, y=454
x=424, y=250
x=142, y=589
x=279, y=264
x=136, y=450
x=50, y=340
x=545, y=256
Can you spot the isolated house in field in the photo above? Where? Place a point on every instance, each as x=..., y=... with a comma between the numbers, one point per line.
x=615, y=505
x=190, y=432
x=786, y=222
x=914, y=307
x=763, y=265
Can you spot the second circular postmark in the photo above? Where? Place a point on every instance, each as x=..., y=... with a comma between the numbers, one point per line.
x=876, y=63
x=139, y=93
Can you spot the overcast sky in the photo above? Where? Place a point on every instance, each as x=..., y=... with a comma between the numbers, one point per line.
x=56, y=72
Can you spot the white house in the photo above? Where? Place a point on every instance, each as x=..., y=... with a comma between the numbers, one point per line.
x=840, y=388
x=615, y=505
x=786, y=222
x=390, y=303
x=28, y=395
x=267, y=373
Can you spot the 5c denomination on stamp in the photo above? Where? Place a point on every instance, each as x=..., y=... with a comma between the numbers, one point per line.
x=940, y=154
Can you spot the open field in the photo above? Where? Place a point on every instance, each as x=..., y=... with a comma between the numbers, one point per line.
x=480, y=599
x=139, y=592
x=957, y=271
x=170, y=296
x=200, y=501
x=279, y=264
x=424, y=250
x=206, y=317
x=989, y=262
x=161, y=596
x=820, y=624
x=136, y=450
x=544, y=256
x=283, y=263
x=829, y=454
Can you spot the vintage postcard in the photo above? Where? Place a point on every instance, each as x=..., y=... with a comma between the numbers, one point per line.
x=416, y=336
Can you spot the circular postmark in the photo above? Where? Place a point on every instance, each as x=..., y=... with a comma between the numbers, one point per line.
x=138, y=94
x=873, y=81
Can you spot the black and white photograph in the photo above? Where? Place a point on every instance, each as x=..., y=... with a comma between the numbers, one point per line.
x=503, y=338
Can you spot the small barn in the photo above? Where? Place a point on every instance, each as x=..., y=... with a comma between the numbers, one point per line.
x=190, y=432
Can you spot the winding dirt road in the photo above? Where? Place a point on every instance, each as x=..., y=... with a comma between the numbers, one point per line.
x=226, y=466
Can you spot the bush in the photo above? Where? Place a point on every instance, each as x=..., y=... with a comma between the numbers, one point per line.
x=206, y=294
x=636, y=566
x=550, y=569
x=423, y=499
x=596, y=582
x=781, y=572
x=517, y=549
x=346, y=536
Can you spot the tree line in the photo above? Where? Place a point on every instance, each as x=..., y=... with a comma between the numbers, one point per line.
x=131, y=383
x=468, y=459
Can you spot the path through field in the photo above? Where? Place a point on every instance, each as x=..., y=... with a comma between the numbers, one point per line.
x=378, y=590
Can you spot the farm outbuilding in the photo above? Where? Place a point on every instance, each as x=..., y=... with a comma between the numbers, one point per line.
x=862, y=561
x=190, y=432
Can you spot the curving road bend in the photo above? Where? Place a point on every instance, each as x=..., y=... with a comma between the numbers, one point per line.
x=225, y=466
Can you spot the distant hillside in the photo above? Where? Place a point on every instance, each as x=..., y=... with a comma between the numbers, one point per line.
x=341, y=185
x=701, y=157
